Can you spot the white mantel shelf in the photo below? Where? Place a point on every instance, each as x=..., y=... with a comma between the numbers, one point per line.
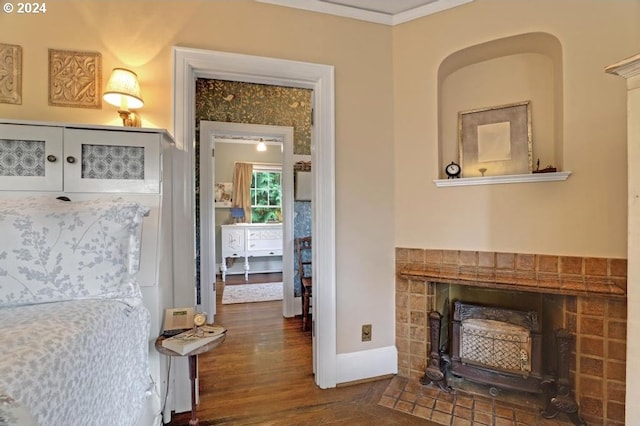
x=494, y=180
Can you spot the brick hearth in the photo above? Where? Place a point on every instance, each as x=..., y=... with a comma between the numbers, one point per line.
x=594, y=312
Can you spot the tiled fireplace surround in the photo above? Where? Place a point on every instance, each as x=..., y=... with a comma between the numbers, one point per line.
x=593, y=294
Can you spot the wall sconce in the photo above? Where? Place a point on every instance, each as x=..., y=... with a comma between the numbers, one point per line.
x=261, y=147
x=123, y=91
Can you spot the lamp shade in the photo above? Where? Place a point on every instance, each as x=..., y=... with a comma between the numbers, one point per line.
x=123, y=90
x=237, y=212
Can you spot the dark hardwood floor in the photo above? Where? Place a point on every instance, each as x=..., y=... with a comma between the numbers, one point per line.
x=262, y=375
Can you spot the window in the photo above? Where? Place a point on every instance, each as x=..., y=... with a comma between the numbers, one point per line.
x=266, y=195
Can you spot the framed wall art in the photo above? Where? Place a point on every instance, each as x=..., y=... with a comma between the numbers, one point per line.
x=496, y=141
x=224, y=191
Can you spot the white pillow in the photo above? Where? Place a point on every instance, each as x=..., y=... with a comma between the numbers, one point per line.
x=52, y=250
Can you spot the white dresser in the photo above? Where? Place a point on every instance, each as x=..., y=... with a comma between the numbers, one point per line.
x=249, y=240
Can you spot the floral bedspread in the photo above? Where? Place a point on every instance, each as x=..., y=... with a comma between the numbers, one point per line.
x=82, y=362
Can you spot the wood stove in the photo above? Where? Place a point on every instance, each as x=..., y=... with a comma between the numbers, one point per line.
x=501, y=348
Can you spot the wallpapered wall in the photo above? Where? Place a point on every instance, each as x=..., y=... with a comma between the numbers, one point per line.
x=238, y=102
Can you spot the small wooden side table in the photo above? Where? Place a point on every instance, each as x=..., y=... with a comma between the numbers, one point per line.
x=193, y=367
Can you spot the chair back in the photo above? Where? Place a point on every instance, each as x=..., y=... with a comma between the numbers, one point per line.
x=303, y=251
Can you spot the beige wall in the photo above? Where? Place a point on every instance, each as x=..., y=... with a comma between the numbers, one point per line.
x=140, y=35
x=586, y=215
x=386, y=121
x=227, y=154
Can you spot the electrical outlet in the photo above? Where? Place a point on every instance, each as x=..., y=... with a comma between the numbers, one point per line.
x=366, y=332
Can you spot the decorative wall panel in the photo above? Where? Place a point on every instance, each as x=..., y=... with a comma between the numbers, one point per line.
x=75, y=79
x=10, y=74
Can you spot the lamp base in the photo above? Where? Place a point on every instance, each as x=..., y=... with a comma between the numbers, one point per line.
x=130, y=119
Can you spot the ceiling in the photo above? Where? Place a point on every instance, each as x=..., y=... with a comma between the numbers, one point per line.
x=389, y=12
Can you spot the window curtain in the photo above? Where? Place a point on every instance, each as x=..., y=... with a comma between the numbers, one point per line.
x=242, y=188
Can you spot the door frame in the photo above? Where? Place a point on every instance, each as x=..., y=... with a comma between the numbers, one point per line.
x=209, y=130
x=190, y=64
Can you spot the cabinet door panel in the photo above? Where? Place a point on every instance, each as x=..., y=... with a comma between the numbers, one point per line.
x=233, y=242
x=30, y=158
x=111, y=161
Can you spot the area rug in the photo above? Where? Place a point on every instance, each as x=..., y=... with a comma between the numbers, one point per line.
x=247, y=293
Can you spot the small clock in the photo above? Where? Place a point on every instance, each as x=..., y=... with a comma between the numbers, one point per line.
x=200, y=319
x=452, y=170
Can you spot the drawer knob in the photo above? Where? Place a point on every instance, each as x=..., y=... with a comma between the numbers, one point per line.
x=52, y=158
x=71, y=159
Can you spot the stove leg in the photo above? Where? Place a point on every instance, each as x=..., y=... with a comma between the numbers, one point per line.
x=561, y=398
x=435, y=371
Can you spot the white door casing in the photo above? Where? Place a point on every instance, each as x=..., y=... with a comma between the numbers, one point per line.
x=208, y=131
x=190, y=64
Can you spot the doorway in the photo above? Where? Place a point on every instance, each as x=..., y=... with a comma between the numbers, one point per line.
x=212, y=132
x=190, y=64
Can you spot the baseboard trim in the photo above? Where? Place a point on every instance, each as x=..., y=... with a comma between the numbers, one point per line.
x=368, y=364
x=368, y=380
x=297, y=306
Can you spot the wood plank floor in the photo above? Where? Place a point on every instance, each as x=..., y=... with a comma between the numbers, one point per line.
x=262, y=375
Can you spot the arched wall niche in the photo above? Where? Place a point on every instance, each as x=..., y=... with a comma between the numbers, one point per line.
x=525, y=67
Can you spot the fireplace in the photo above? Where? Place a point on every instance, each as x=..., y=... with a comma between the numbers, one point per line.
x=579, y=305
x=502, y=349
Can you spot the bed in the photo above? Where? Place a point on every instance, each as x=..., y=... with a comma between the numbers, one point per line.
x=74, y=331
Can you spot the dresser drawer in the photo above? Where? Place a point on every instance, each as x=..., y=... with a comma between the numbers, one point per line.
x=259, y=253
x=264, y=239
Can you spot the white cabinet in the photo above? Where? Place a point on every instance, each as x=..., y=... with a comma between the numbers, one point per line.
x=248, y=240
x=37, y=157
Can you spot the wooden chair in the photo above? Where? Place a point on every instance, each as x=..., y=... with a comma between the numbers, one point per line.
x=303, y=251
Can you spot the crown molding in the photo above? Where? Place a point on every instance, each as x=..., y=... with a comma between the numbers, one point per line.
x=369, y=15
